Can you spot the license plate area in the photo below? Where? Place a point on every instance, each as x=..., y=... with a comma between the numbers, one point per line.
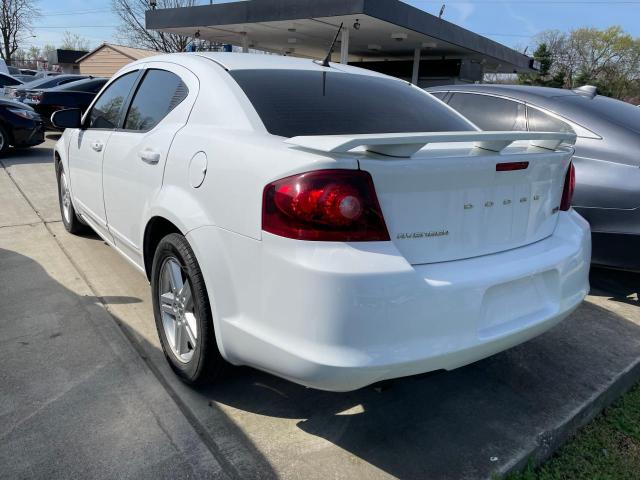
x=518, y=304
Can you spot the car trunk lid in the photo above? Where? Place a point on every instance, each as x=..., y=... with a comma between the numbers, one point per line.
x=445, y=199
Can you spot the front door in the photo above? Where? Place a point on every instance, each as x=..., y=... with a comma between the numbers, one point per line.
x=135, y=158
x=87, y=149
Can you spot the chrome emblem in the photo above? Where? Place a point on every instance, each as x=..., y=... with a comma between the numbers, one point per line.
x=488, y=204
x=416, y=235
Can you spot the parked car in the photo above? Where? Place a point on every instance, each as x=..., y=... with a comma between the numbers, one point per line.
x=18, y=92
x=330, y=225
x=20, y=126
x=7, y=81
x=606, y=159
x=77, y=94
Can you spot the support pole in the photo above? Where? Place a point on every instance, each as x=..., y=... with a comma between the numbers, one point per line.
x=344, y=46
x=245, y=43
x=416, y=66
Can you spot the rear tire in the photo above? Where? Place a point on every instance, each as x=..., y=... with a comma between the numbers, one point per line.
x=70, y=219
x=183, y=313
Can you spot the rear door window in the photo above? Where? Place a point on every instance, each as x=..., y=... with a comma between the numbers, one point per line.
x=313, y=102
x=542, y=122
x=158, y=94
x=490, y=113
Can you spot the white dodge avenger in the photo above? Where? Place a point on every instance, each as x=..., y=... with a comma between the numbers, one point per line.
x=326, y=224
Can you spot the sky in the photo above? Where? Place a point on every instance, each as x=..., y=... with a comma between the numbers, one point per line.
x=511, y=22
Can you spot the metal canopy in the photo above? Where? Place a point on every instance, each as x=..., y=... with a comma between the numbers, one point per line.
x=388, y=29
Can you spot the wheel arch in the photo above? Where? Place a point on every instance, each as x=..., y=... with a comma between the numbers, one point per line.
x=156, y=229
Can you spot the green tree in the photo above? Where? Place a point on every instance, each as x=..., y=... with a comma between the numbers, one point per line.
x=608, y=59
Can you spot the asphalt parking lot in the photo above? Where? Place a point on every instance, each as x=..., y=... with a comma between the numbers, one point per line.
x=86, y=391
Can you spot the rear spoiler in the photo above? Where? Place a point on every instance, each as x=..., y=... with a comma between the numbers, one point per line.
x=406, y=144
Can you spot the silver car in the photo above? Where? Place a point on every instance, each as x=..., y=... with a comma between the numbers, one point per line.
x=607, y=159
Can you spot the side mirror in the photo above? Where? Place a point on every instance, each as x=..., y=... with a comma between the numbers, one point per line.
x=67, y=118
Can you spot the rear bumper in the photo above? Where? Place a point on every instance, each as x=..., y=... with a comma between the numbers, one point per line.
x=339, y=317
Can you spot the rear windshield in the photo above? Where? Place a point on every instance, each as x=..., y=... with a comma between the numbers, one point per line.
x=616, y=111
x=302, y=102
x=87, y=86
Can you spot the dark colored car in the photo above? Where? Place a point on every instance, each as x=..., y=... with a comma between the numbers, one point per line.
x=18, y=92
x=78, y=94
x=607, y=158
x=20, y=125
x=8, y=81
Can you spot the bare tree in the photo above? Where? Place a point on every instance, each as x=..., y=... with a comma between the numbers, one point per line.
x=73, y=41
x=132, y=29
x=16, y=17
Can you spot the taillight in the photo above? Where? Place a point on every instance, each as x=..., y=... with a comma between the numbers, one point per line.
x=36, y=98
x=324, y=205
x=569, y=187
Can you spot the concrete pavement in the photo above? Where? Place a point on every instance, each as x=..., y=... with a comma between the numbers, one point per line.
x=76, y=400
x=470, y=423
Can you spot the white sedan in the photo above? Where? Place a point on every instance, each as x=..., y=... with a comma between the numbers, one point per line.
x=329, y=225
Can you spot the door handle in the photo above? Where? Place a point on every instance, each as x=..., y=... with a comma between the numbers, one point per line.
x=97, y=146
x=149, y=156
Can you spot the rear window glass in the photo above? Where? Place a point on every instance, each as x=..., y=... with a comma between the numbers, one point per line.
x=49, y=82
x=616, y=111
x=302, y=102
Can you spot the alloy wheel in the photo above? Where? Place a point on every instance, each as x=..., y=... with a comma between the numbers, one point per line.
x=65, y=197
x=177, y=310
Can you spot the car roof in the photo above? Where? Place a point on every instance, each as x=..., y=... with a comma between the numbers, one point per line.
x=526, y=93
x=232, y=61
x=579, y=108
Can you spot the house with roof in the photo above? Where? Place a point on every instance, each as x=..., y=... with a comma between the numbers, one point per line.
x=108, y=58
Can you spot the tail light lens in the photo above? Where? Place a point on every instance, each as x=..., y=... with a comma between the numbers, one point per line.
x=569, y=187
x=324, y=205
x=35, y=98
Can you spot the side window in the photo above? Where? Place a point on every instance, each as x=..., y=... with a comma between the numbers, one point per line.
x=158, y=94
x=106, y=111
x=490, y=113
x=541, y=122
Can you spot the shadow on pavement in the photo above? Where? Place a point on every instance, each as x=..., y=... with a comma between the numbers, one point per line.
x=617, y=285
x=32, y=155
x=73, y=401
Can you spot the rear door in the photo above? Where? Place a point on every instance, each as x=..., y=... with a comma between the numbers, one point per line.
x=87, y=147
x=137, y=150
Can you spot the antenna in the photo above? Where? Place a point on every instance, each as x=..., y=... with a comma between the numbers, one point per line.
x=442, y=10
x=325, y=62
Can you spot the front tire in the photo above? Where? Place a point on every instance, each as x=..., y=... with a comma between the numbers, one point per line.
x=70, y=220
x=183, y=313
